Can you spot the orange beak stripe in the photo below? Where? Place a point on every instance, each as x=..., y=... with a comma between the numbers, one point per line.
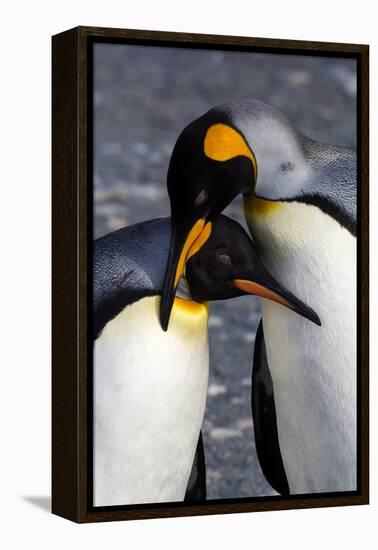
x=192, y=236
x=254, y=288
x=200, y=241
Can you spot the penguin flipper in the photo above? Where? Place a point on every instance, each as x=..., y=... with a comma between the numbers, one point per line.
x=265, y=419
x=196, y=489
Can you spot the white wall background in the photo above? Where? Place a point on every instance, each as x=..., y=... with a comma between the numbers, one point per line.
x=25, y=273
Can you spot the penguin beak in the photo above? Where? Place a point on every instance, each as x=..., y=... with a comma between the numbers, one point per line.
x=183, y=245
x=270, y=289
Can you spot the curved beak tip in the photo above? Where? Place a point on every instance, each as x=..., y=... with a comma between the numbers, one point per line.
x=164, y=323
x=164, y=315
x=278, y=295
x=317, y=320
x=308, y=313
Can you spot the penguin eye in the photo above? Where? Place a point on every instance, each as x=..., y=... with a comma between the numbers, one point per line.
x=225, y=259
x=201, y=198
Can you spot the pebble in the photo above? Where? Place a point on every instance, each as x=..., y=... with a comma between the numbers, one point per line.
x=214, y=475
x=299, y=78
x=245, y=423
x=146, y=191
x=108, y=209
x=116, y=222
x=112, y=148
x=215, y=321
x=111, y=194
x=225, y=433
x=140, y=148
x=216, y=389
x=249, y=337
x=237, y=400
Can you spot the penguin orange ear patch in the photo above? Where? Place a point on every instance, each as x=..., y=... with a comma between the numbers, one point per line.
x=224, y=143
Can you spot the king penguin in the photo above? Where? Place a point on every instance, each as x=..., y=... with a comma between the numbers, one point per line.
x=300, y=202
x=150, y=386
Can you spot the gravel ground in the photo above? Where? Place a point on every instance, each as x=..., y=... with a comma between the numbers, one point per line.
x=143, y=99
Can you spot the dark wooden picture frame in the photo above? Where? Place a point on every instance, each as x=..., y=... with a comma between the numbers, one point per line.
x=72, y=192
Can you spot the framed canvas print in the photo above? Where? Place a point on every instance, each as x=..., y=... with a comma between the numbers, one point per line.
x=210, y=274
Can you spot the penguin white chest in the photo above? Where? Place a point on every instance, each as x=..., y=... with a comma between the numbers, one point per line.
x=150, y=392
x=313, y=368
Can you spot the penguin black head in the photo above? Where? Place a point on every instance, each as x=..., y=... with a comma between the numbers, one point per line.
x=227, y=265
x=210, y=165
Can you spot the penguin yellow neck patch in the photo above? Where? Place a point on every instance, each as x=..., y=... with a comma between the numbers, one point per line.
x=253, y=206
x=190, y=306
x=224, y=143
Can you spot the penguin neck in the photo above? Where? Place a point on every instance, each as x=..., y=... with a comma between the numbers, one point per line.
x=150, y=396
x=317, y=174
x=313, y=368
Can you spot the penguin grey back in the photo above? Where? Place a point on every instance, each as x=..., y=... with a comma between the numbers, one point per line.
x=128, y=264
x=332, y=185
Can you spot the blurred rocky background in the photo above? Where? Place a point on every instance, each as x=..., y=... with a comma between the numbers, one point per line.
x=143, y=98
